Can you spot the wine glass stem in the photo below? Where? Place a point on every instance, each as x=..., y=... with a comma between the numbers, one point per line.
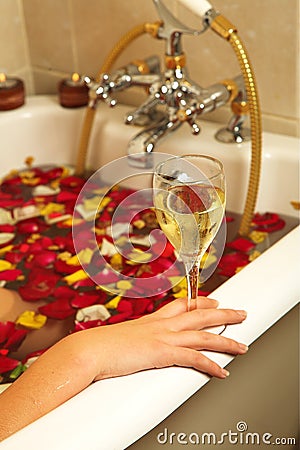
x=192, y=286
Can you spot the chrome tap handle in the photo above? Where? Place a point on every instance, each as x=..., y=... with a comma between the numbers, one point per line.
x=172, y=29
x=102, y=90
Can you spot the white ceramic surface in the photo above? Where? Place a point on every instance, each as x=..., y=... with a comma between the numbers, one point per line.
x=135, y=404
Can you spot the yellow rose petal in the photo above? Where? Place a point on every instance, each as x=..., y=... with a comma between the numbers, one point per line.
x=138, y=256
x=76, y=276
x=5, y=265
x=181, y=293
x=52, y=208
x=255, y=254
x=258, y=236
x=113, y=303
x=207, y=260
x=8, y=248
x=116, y=260
x=124, y=285
x=30, y=319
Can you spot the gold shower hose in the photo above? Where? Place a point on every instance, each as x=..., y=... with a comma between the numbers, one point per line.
x=125, y=40
x=226, y=30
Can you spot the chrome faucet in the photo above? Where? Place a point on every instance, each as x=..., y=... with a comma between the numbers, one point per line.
x=173, y=97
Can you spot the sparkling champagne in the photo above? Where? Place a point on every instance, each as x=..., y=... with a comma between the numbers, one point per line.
x=190, y=216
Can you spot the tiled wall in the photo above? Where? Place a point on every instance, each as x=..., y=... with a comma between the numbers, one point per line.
x=45, y=40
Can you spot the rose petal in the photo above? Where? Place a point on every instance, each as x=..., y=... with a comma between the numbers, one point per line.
x=40, y=284
x=229, y=263
x=30, y=226
x=85, y=299
x=241, y=244
x=118, y=318
x=31, y=320
x=7, y=228
x=6, y=328
x=59, y=309
x=15, y=339
x=44, y=258
x=93, y=312
x=10, y=275
x=6, y=238
x=7, y=364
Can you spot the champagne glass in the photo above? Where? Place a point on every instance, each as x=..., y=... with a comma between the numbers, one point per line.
x=189, y=200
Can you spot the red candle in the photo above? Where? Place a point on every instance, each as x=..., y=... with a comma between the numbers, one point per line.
x=73, y=92
x=12, y=93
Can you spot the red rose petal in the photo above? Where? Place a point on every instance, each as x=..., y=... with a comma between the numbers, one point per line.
x=44, y=258
x=64, y=292
x=10, y=275
x=59, y=309
x=11, y=203
x=14, y=257
x=230, y=262
x=30, y=226
x=87, y=282
x=142, y=306
x=125, y=306
x=64, y=268
x=6, y=328
x=7, y=228
x=118, y=318
x=40, y=284
x=54, y=173
x=265, y=219
x=84, y=299
x=7, y=364
x=66, y=196
x=242, y=244
x=15, y=340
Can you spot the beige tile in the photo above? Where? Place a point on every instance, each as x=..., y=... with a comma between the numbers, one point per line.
x=25, y=73
x=46, y=82
x=101, y=25
x=49, y=34
x=76, y=35
x=270, y=33
x=13, y=53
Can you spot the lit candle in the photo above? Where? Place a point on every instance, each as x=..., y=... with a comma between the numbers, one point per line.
x=12, y=93
x=73, y=92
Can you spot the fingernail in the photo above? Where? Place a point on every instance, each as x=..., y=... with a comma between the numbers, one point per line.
x=225, y=373
x=243, y=348
x=242, y=313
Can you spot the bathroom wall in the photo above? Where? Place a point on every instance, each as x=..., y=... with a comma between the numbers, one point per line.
x=45, y=40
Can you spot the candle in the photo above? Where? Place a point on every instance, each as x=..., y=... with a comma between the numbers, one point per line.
x=12, y=93
x=73, y=92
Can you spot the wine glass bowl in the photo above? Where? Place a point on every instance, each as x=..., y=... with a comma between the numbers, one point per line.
x=189, y=200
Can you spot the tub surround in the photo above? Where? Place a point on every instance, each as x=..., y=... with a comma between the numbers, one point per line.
x=136, y=403
x=146, y=398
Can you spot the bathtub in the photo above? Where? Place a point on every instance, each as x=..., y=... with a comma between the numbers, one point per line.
x=134, y=404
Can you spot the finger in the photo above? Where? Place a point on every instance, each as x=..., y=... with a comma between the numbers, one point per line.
x=203, y=318
x=186, y=357
x=203, y=340
x=179, y=306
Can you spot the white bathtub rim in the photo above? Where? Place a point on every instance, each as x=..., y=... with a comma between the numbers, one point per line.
x=126, y=398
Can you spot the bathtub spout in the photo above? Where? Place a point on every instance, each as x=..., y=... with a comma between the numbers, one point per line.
x=142, y=145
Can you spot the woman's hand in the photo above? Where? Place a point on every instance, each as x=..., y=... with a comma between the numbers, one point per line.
x=167, y=337
x=170, y=336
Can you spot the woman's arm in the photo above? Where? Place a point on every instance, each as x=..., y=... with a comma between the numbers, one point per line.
x=167, y=337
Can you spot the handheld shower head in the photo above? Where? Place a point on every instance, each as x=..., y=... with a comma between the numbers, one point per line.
x=199, y=7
